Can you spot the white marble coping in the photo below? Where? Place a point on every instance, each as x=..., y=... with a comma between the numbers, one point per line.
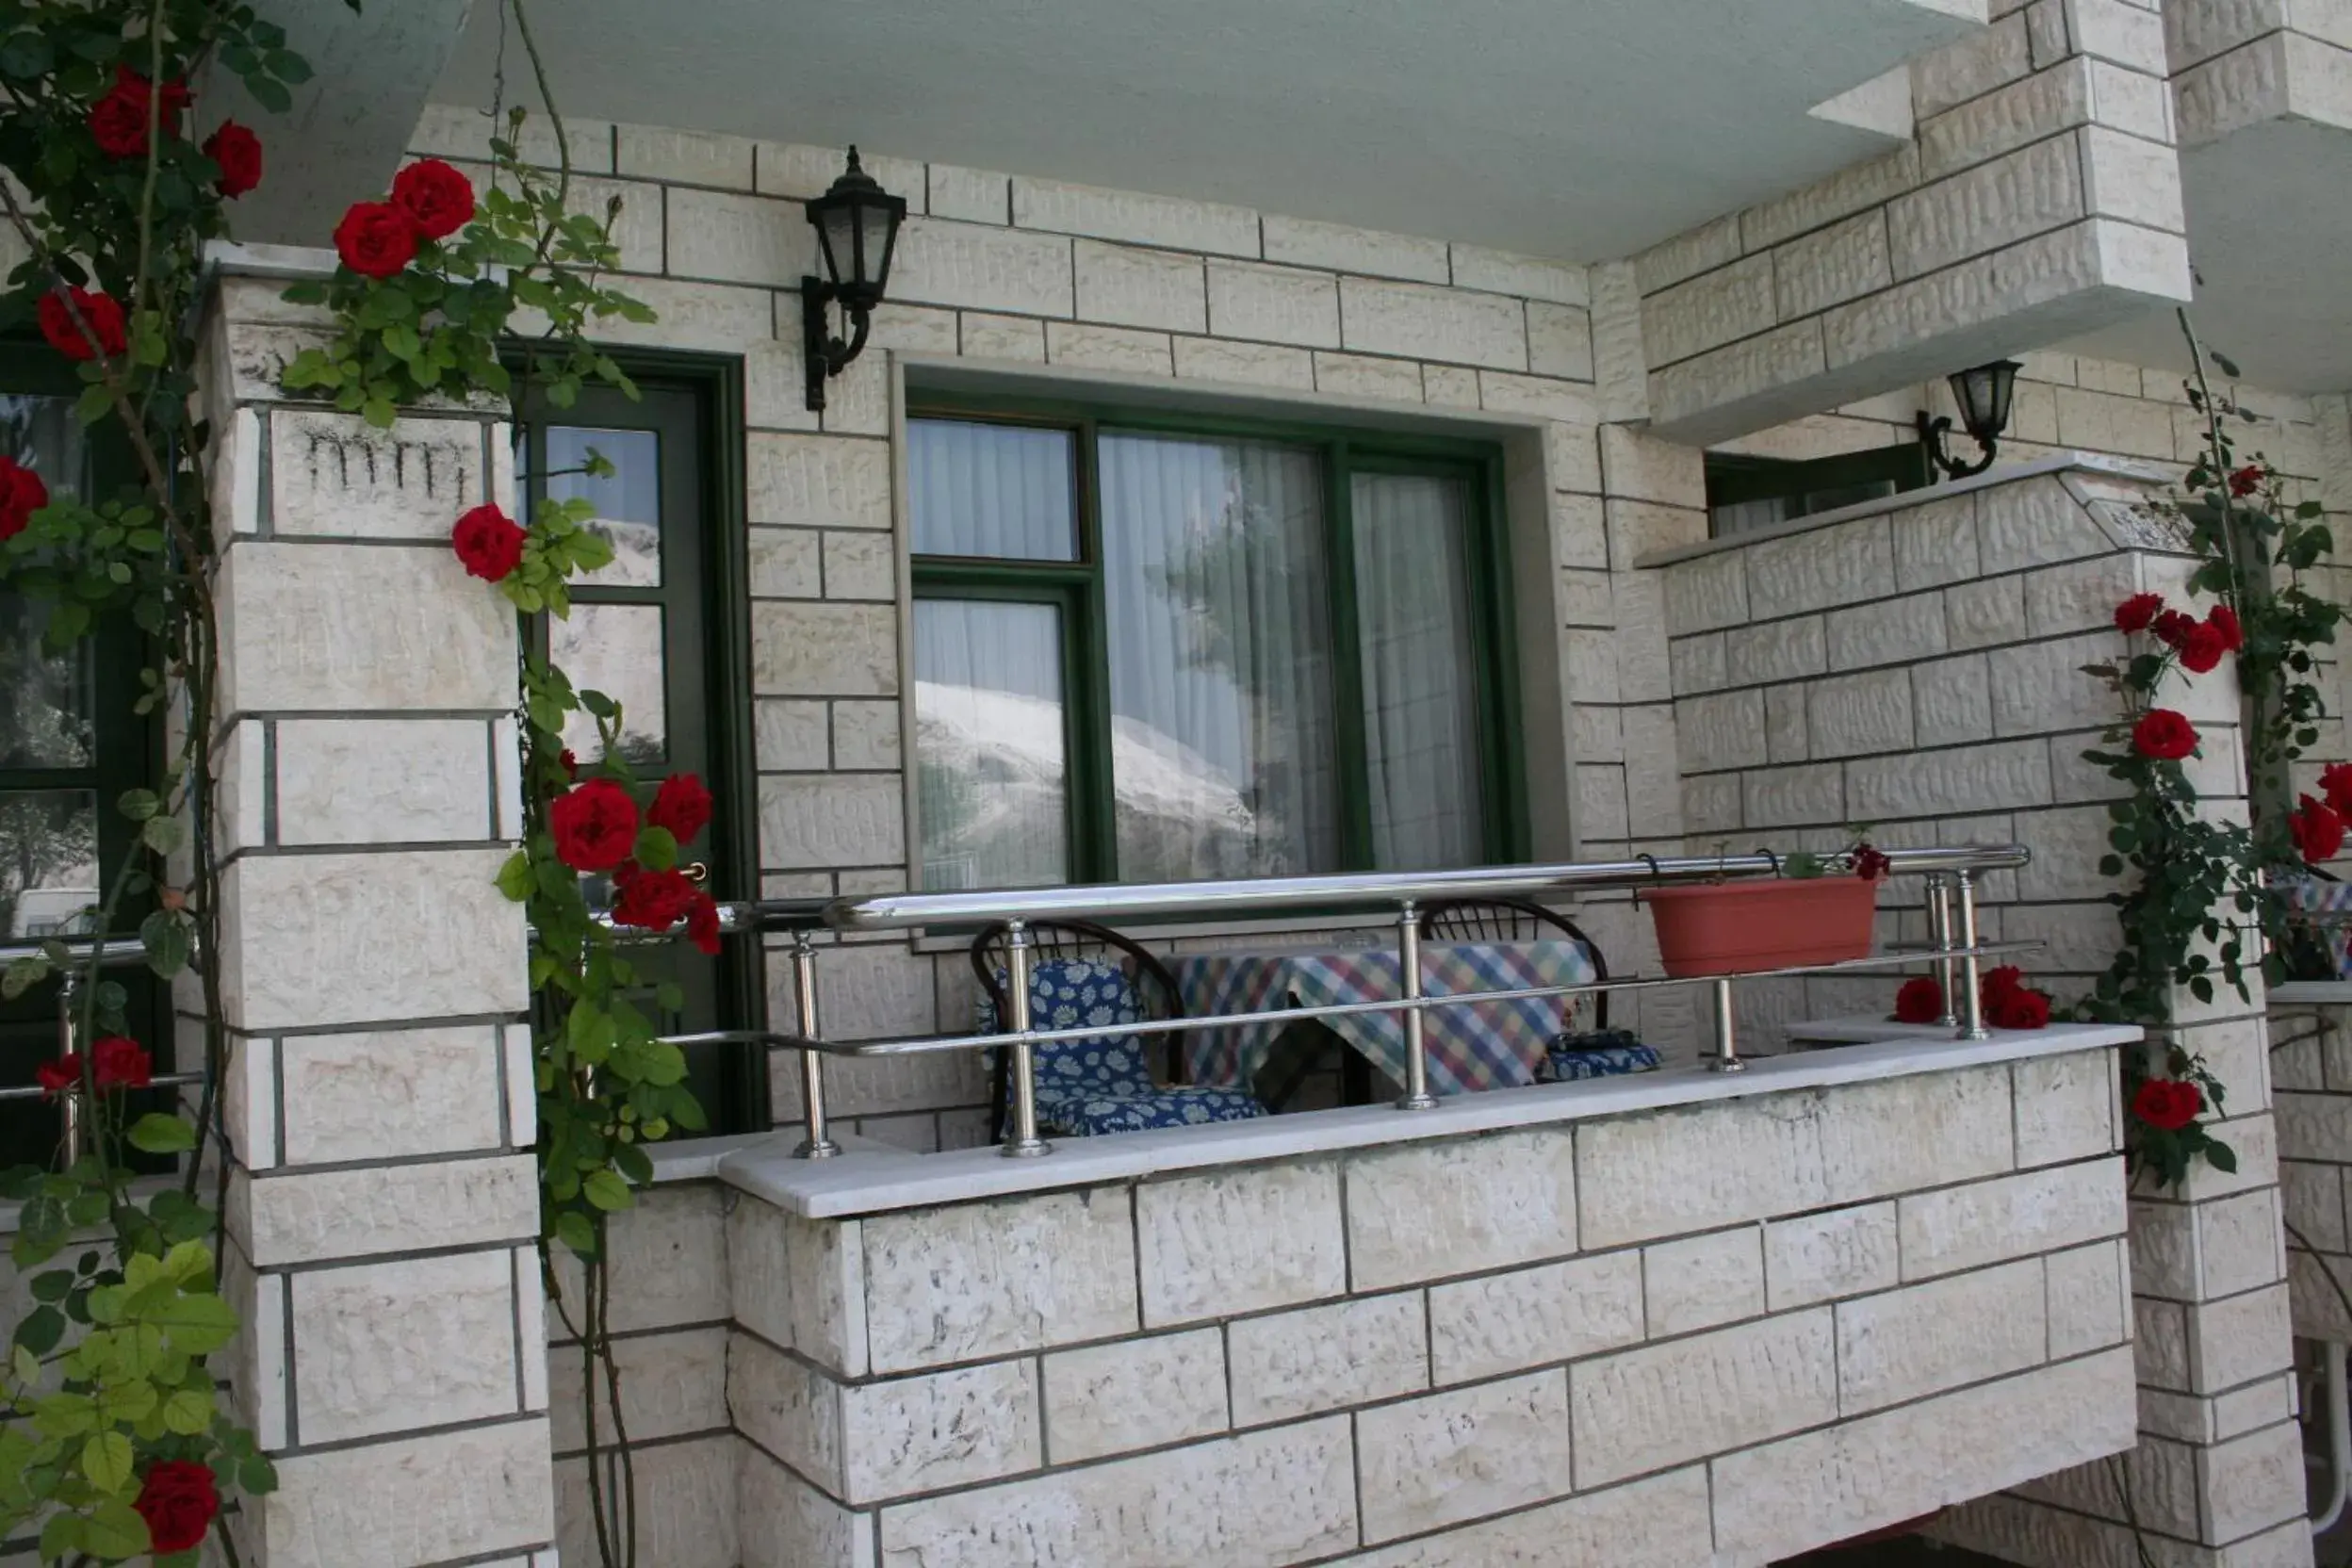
x=2309, y=992
x=1864, y=1027
x=2062, y=463
x=872, y=1180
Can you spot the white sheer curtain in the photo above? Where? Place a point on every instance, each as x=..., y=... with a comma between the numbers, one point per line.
x=1222, y=743
x=1002, y=490
x=1420, y=714
x=991, y=764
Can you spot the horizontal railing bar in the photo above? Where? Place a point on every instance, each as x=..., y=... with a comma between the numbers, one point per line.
x=120, y=950
x=926, y=1045
x=1355, y=889
x=160, y=1081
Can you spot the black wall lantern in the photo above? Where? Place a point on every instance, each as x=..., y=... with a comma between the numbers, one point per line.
x=857, y=223
x=1984, y=396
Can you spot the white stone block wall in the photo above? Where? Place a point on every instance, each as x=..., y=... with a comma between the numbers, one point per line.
x=2312, y=1062
x=2039, y=197
x=1748, y=1327
x=1016, y=273
x=2237, y=63
x=382, y=1204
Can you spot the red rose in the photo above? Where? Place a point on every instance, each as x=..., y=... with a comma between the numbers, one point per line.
x=2335, y=782
x=118, y=121
x=2019, y=1009
x=1919, y=1001
x=437, y=199
x=2247, y=481
x=489, y=541
x=2202, y=648
x=1870, y=862
x=99, y=314
x=702, y=924
x=59, y=1073
x=2164, y=735
x=178, y=1500
x=121, y=1064
x=2138, y=612
x=237, y=151
x=2000, y=982
x=2317, y=830
x=594, y=825
x=2225, y=620
x=22, y=493
x=375, y=240
x=2168, y=1104
x=2172, y=627
x=682, y=805
x=570, y=762
x=652, y=899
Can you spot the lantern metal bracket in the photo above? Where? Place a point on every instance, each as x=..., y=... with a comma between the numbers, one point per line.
x=824, y=354
x=1934, y=433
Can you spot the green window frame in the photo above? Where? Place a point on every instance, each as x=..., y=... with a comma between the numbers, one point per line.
x=1076, y=588
x=1811, y=486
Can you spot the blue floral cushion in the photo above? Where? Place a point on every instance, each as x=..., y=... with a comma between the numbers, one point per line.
x=1185, y=1106
x=1603, y=1054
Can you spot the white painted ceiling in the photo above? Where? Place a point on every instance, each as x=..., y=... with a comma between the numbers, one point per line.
x=2270, y=236
x=1582, y=129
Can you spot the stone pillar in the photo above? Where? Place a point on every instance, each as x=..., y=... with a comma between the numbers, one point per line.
x=382, y=1204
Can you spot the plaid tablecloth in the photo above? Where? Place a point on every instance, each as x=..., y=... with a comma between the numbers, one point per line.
x=2327, y=906
x=1494, y=1045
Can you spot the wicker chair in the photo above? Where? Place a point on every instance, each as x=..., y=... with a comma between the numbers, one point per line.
x=1155, y=991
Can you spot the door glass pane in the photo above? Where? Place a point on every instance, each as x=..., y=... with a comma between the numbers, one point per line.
x=42, y=434
x=1420, y=713
x=990, y=490
x=991, y=764
x=616, y=649
x=48, y=861
x=627, y=502
x=1222, y=738
x=46, y=700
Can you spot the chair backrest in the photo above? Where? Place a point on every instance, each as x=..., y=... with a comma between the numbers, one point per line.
x=1514, y=919
x=1155, y=985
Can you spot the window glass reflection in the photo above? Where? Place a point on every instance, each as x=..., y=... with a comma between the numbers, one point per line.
x=48, y=861
x=616, y=649
x=45, y=701
x=628, y=501
x=991, y=770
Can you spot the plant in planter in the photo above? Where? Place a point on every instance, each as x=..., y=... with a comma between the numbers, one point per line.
x=1818, y=910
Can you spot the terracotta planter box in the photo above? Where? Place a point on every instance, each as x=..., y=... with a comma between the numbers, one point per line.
x=1731, y=928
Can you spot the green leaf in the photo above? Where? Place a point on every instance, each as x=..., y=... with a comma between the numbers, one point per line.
x=114, y=1530
x=189, y=1412
x=607, y=1191
x=161, y=1133
x=164, y=835
x=2221, y=1157
x=657, y=849
x=574, y=1230
x=52, y=1286
x=514, y=877
x=40, y=1331
x=168, y=939
x=25, y=56
x=138, y=804
x=106, y=1460
x=2228, y=367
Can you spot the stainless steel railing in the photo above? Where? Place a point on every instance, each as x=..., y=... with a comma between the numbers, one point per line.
x=1953, y=950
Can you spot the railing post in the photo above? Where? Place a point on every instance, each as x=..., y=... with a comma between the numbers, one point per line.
x=1939, y=931
x=1727, y=1057
x=1417, y=1095
x=1972, y=1003
x=819, y=1144
x=1024, y=1143
x=70, y=1102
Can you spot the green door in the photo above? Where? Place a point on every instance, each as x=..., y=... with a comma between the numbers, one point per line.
x=654, y=631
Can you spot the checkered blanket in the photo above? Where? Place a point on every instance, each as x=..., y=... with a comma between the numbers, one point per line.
x=2326, y=906
x=1494, y=1045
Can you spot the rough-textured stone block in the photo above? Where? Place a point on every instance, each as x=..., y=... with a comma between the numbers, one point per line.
x=1709, y=396
x=816, y=480
x=329, y=628
x=1849, y=190
x=799, y=1283
x=976, y=195
x=1698, y=1168
x=387, y=1093
x=1711, y=591
x=1250, y=363
x=1029, y=1273
x=1701, y=1281
x=1258, y=1500
x=1821, y=1256
x=1951, y=702
x=1505, y=1322
x=1814, y=794
x=831, y=820
x=386, y=1347
x=948, y=1428
x=1130, y=215
x=1860, y=713
x=1649, y=1524
x=1279, y=304
x=2065, y=1107
x=792, y=735
x=2090, y=1292
x=1463, y=1454
x=1323, y=1358
x=2041, y=1211
x=1426, y=1211
x=1123, y=348
x=1136, y=1393
x=786, y=1408
x=784, y=1523
x=1709, y=311
x=1238, y=1241
x=1361, y=376
x=1723, y=731
x=752, y=239
x=1888, y=632
x=1710, y=245
x=1829, y=1485
x=1660, y=1405
x=1433, y=323
x=1530, y=277
x=686, y=1509
x=1569, y=402
x=1306, y=243
x=356, y=938
x=1781, y=650
x=860, y=566
x=1842, y=564
x=2002, y=120
x=332, y=475
x=845, y=650
x=358, y=1507
x=1925, y=1338
x=669, y=1263
x=981, y=267
x=1560, y=341
x=684, y=157
x=1831, y=267
x=414, y=781
x=1981, y=778
x=671, y=1384
x=1974, y=66
x=1011, y=337
x=2040, y=686
x=2028, y=192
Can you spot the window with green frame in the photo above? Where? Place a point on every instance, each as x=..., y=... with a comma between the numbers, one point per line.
x=70, y=746
x=1151, y=648
x=1747, y=492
